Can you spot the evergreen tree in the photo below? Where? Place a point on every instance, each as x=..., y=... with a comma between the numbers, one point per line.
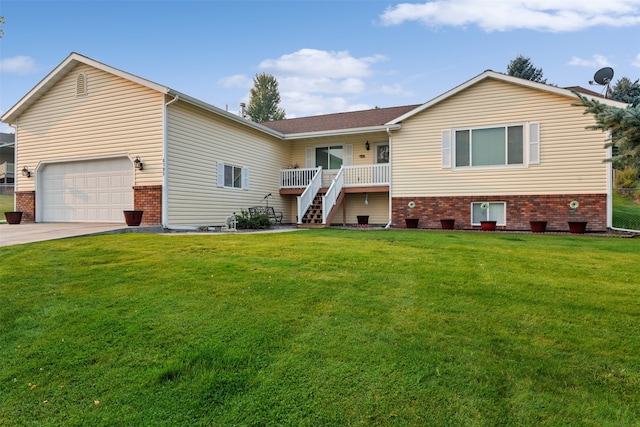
x=523, y=68
x=265, y=97
x=624, y=127
x=626, y=91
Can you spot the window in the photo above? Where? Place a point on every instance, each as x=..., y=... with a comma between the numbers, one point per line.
x=489, y=146
x=329, y=157
x=232, y=176
x=496, y=211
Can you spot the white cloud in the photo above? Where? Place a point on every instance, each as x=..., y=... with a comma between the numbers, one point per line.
x=636, y=62
x=595, y=61
x=18, y=65
x=238, y=80
x=321, y=63
x=505, y=15
x=313, y=81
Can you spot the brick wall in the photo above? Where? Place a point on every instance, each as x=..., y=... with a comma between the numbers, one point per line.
x=520, y=210
x=26, y=202
x=148, y=198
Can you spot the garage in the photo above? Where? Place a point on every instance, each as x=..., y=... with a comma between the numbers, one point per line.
x=85, y=191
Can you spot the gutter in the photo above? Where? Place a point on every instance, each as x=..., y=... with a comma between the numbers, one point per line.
x=388, y=226
x=165, y=175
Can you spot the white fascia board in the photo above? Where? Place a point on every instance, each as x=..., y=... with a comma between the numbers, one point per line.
x=62, y=70
x=339, y=132
x=508, y=79
x=234, y=117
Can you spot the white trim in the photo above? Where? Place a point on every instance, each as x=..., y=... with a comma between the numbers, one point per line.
x=504, y=212
x=447, y=152
x=338, y=132
x=506, y=126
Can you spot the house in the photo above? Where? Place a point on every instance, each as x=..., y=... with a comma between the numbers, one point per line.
x=7, y=167
x=97, y=140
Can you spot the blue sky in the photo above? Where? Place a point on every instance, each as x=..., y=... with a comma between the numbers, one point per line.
x=328, y=56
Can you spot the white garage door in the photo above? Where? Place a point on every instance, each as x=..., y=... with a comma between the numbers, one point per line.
x=86, y=191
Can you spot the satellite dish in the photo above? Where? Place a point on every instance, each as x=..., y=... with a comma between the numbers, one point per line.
x=603, y=76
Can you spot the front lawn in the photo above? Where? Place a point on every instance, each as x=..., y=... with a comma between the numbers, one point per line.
x=321, y=328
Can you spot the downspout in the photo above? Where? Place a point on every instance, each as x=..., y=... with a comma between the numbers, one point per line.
x=165, y=175
x=388, y=226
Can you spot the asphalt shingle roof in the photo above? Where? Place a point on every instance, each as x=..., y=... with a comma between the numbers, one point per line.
x=338, y=121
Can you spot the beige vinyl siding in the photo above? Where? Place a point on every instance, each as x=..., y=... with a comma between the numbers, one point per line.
x=571, y=156
x=115, y=117
x=299, y=147
x=377, y=209
x=197, y=141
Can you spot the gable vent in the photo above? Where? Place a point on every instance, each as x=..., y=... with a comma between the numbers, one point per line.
x=81, y=84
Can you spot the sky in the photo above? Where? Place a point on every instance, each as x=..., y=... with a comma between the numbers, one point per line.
x=328, y=56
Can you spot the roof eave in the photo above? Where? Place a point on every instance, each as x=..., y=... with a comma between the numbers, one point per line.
x=340, y=132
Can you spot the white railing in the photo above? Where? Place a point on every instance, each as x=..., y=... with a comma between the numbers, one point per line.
x=7, y=170
x=306, y=198
x=329, y=200
x=370, y=175
x=296, y=178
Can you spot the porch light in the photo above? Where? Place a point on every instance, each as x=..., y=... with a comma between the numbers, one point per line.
x=26, y=172
x=367, y=146
x=366, y=198
x=138, y=164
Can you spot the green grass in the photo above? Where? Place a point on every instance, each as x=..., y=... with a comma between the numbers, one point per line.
x=626, y=212
x=6, y=204
x=321, y=328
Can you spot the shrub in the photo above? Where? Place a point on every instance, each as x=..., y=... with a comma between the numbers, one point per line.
x=246, y=221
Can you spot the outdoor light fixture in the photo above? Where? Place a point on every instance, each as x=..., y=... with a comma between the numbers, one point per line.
x=26, y=172
x=366, y=145
x=138, y=164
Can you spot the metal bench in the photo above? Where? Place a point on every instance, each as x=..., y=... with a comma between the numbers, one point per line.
x=275, y=217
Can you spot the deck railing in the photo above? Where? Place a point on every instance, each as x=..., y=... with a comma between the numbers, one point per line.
x=297, y=178
x=306, y=198
x=7, y=170
x=354, y=176
x=369, y=175
x=329, y=200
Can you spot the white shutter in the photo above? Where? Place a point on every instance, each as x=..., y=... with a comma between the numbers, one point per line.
x=220, y=173
x=348, y=155
x=245, y=178
x=310, y=160
x=534, y=143
x=446, y=149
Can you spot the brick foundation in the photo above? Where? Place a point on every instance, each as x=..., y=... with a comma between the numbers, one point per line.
x=148, y=198
x=26, y=202
x=520, y=210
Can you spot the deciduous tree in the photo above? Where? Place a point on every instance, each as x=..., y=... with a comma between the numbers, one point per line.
x=265, y=98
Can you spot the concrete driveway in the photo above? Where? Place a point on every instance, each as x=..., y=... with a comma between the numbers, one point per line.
x=16, y=234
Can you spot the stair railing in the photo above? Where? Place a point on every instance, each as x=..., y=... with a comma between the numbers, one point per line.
x=306, y=198
x=331, y=197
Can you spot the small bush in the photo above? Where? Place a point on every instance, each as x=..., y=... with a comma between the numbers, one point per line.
x=246, y=221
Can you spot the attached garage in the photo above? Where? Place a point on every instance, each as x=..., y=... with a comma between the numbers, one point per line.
x=95, y=190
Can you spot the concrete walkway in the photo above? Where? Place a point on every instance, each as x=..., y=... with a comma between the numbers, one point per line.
x=16, y=234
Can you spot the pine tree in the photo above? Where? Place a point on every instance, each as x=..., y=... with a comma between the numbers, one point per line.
x=265, y=97
x=624, y=127
x=626, y=91
x=523, y=68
